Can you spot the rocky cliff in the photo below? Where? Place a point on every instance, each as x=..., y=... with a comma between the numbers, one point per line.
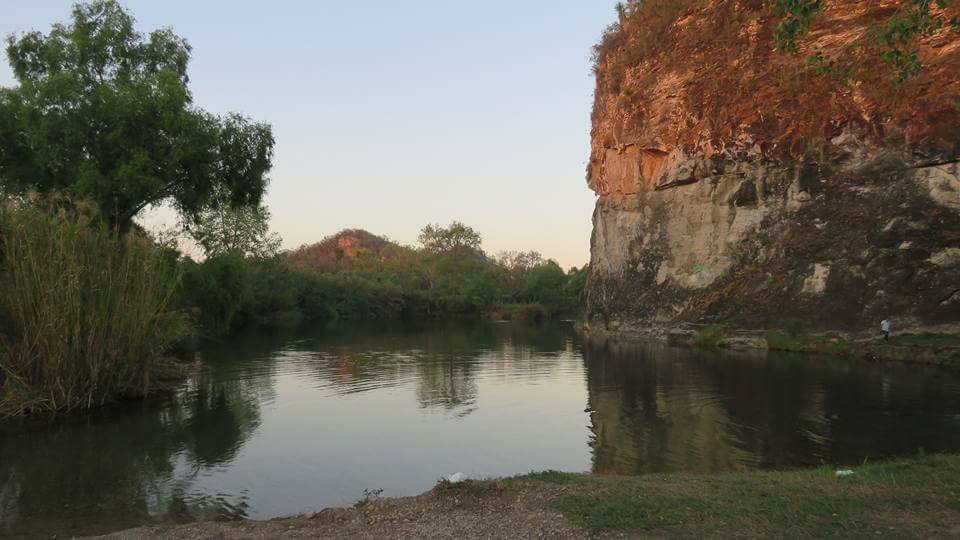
x=749, y=179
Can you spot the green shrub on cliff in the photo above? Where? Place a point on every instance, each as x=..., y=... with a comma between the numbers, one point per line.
x=710, y=336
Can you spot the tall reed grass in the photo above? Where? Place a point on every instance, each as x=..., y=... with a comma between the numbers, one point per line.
x=84, y=312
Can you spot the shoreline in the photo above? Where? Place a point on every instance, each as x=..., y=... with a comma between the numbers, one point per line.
x=912, y=497
x=933, y=346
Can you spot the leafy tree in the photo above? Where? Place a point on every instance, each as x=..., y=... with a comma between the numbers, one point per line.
x=519, y=260
x=242, y=229
x=513, y=267
x=576, y=281
x=103, y=112
x=454, y=237
x=217, y=290
x=482, y=289
x=545, y=284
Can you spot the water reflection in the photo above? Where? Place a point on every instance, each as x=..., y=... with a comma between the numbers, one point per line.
x=655, y=408
x=124, y=466
x=293, y=422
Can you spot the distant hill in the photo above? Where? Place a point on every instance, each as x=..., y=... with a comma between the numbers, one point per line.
x=345, y=250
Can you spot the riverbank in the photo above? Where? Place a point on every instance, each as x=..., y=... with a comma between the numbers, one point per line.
x=912, y=498
x=938, y=346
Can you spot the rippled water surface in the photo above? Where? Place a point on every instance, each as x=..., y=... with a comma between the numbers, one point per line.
x=282, y=424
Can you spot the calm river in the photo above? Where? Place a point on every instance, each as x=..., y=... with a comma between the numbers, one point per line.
x=278, y=425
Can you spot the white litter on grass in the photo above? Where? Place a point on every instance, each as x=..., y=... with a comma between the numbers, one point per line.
x=844, y=473
x=456, y=478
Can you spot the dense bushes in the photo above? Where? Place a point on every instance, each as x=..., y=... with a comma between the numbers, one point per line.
x=83, y=311
x=229, y=292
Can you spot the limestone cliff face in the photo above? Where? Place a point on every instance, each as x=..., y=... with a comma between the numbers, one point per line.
x=738, y=183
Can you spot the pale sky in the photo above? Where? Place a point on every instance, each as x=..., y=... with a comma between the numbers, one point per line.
x=389, y=115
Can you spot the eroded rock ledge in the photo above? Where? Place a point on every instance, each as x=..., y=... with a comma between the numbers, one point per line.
x=755, y=242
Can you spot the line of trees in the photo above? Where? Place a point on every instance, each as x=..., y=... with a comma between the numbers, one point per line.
x=357, y=275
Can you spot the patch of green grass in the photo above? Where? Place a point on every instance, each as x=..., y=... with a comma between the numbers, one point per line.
x=709, y=337
x=470, y=487
x=552, y=477
x=795, y=337
x=822, y=344
x=928, y=339
x=909, y=498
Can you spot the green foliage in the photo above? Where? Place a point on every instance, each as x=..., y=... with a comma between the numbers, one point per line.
x=369, y=495
x=215, y=289
x=795, y=18
x=349, y=296
x=228, y=229
x=900, y=31
x=455, y=237
x=927, y=339
x=363, y=277
x=544, y=284
x=273, y=295
x=529, y=313
x=709, y=337
x=482, y=288
x=796, y=337
x=103, y=112
x=837, y=71
x=84, y=311
x=576, y=281
x=794, y=327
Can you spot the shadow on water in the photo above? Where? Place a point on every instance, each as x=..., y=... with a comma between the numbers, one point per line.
x=655, y=408
x=124, y=466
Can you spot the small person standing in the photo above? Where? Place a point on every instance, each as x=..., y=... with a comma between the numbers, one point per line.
x=885, y=329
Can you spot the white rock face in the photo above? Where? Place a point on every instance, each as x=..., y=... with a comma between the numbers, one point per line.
x=942, y=182
x=694, y=228
x=817, y=282
x=755, y=243
x=946, y=258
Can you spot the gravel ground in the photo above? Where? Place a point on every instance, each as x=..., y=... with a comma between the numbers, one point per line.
x=491, y=511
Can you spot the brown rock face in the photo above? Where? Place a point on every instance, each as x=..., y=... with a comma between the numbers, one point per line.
x=343, y=251
x=739, y=183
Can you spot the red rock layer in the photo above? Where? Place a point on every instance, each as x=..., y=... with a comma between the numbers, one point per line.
x=704, y=78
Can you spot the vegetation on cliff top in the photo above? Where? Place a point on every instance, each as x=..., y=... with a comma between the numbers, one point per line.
x=804, y=59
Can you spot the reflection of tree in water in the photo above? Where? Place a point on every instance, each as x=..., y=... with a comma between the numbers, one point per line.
x=443, y=359
x=125, y=466
x=656, y=408
x=219, y=417
x=447, y=383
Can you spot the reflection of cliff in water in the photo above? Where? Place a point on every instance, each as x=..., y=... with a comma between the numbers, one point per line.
x=655, y=408
x=128, y=465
